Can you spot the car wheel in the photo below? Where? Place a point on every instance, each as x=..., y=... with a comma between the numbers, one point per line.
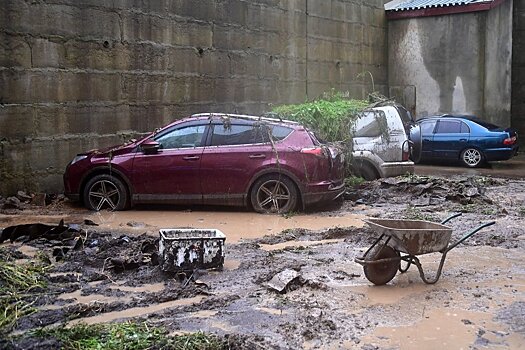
x=366, y=172
x=105, y=192
x=274, y=194
x=471, y=157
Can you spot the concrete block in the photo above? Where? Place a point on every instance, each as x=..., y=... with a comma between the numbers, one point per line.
x=62, y=20
x=14, y=51
x=47, y=53
x=16, y=122
x=166, y=30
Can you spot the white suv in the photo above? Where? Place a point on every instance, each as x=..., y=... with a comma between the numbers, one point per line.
x=381, y=146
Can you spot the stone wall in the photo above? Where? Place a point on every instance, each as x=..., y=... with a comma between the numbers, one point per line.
x=518, y=70
x=458, y=63
x=82, y=74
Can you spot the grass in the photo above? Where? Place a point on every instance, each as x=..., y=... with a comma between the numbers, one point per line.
x=353, y=181
x=20, y=284
x=129, y=336
x=412, y=213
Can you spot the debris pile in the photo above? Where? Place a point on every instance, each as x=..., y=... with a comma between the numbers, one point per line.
x=423, y=190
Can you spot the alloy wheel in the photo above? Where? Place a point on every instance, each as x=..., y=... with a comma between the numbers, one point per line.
x=273, y=195
x=471, y=157
x=104, y=194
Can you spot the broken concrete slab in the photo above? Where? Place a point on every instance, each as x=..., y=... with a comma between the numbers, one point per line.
x=283, y=279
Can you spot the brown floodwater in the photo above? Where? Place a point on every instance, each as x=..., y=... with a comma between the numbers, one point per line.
x=237, y=226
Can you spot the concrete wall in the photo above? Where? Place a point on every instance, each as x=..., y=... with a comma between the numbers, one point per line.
x=518, y=70
x=80, y=74
x=459, y=63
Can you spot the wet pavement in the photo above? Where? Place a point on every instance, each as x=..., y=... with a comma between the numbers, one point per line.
x=511, y=169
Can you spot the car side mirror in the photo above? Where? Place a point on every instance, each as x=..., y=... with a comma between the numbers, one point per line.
x=150, y=147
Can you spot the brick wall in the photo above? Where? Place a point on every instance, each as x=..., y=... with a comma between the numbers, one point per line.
x=81, y=74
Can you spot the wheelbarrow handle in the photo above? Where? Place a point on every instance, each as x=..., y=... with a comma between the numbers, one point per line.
x=468, y=235
x=450, y=218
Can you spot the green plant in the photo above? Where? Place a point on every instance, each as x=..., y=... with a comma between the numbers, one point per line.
x=352, y=181
x=413, y=213
x=127, y=335
x=331, y=116
x=521, y=211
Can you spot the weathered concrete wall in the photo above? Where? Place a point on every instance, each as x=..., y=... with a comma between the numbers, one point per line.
x=518, y=70
x=458, y=63
x=81, y=74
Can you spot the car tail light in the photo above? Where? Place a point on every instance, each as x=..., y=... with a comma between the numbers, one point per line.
x=405, y=151
x=510, y=140
x=316, y=151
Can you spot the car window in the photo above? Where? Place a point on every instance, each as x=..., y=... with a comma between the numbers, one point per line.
x=464, y=128
x=280, y=132
x=427, y=127
x=371, y=124
x=448, y=127
x=232, y=134
x=185, y=137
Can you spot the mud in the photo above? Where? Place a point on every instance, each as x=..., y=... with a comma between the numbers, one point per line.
x=477, y=303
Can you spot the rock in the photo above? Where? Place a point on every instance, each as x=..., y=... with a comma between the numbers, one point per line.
x=24, y=197
x=12, y=203
x=90, y=222
x=283, y=279
x=39, y=200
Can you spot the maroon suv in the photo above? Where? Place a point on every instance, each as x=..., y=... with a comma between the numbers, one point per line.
x=224, y=159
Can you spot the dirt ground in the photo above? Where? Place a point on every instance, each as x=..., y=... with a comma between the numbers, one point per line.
x=478, y=303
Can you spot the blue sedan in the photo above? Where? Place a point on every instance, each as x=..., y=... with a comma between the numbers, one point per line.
x=464, y=138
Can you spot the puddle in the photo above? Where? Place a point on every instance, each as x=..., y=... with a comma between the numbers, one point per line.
x=136, y=311
x=91, y=298
x=203, y=314
x=272, y=311
x=28, y=250
x=231, y=264
x=235, y=225
x=444, y=329
x=295, y=244
x=145, y=288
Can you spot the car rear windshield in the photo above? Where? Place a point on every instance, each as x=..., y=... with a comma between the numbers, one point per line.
x=484, y=124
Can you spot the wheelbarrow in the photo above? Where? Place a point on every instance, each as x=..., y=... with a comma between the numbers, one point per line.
x=411, y=238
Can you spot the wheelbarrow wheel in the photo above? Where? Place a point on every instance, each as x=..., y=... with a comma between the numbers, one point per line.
x=382, y=273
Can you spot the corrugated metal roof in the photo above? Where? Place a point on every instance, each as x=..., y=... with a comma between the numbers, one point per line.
x=408, y=5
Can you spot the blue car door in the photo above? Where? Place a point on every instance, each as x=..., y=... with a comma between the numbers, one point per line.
x=450, y=138
x=427, y=137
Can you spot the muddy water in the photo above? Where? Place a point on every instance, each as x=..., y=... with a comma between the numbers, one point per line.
x=483, y=273
x=91, y=298
x=296, y=244
x=136, y=311
x=235, y=225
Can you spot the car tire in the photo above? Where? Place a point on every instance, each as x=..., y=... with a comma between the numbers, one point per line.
x=274, y=193
x=367, y=172
x=105, y=192
x=471, y=157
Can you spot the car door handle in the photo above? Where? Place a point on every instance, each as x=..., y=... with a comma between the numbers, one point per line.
x=191, y=158
x=462, y=140
x=257, y=156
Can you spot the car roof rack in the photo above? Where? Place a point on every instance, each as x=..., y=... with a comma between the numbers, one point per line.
x=245, y=117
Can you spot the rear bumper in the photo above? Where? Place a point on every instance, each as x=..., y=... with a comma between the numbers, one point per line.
x=500, y=153
x=330, y=193
x=390, y=169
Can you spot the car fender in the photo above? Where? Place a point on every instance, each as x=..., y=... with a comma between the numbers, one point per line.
x=106, y=169
x=368, y=157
